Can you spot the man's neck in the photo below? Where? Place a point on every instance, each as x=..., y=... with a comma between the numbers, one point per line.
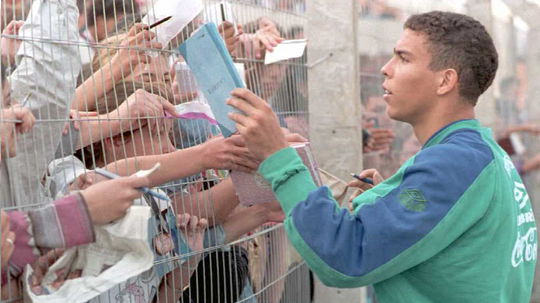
x=428, y=126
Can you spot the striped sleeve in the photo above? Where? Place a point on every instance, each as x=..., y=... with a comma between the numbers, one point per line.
x=62, y=224
x=411, y=223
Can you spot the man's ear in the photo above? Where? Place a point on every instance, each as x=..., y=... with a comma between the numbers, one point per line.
x=448, y=81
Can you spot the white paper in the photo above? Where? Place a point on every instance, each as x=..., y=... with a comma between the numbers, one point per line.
x=182, y=12
x=517, y=144
x=121, y=247
x=287, y=49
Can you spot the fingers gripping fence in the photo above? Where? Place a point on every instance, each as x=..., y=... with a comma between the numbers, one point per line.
x=92, y=95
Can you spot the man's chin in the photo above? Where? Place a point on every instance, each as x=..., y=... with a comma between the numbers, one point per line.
x=394, y=115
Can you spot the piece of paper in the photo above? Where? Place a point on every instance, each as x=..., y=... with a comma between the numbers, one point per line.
x=195, y=110
x=517, y=144
x=182, y=12
x=213, y=68
x=287, y=49
x=254, y=189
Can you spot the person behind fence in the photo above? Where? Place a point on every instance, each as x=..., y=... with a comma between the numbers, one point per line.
x=454, y=223
x=67, y=222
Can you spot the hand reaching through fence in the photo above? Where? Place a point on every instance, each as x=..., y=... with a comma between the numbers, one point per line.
x=259, y=125
x=132, y=51
x=265, y=38
x=110, y=200
x=13, y=120
x=227, y=32
x=10, y=46
x=8, y=240
x=228, y=153
x=176, y=281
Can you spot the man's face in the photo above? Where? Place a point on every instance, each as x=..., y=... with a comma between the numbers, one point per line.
x=410, y=86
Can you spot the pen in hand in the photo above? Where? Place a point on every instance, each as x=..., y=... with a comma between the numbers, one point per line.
x=159, y=22
x=365, y=180
x=145, y=190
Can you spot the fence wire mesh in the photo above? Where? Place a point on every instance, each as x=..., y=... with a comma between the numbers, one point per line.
x=104, y=93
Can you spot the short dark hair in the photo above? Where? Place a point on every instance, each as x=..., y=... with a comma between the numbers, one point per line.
x=97, y=9
x=462, y=43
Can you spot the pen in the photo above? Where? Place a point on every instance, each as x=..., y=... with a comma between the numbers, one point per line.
x=222, y=12
x=145, y=190
x=294, y=41
x=365, y=180
x=159, y=22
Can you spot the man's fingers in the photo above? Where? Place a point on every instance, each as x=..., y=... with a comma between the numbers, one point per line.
x=246, y=162
x=26, y=117
x=241, y=168
x=257, y=49
x=137, y=182
x=368, y=173
x=249, y=97
x=267, y=43
x=142, y=37
x=239, y=118
x=225, y=25
x=359, y=184
x=237, y=140
x=193, y=223
x=242, y=105
x=203, y=223
x=168, y=107
x=138, y=27
x=293, y=137
x=88, y=114
x=183, y=220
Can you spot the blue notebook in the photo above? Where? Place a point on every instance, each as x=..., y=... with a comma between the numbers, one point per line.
x=209, y=60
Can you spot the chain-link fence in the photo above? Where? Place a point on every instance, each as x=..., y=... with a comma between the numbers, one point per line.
x=112, y=95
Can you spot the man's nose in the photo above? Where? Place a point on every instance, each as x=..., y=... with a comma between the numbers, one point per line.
x=385, y=70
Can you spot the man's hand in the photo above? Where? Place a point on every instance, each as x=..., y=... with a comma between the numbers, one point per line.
x=372, y=174
x=258, y=124
x=273, y=211
x=132, y=51
x=228, y=153
x=226, y=30
x=110, y=200
x=8, y=240
x=86, y=180
x=10, y=46
x=41, y=267
x=264, y=39
x=19, y=119
x=143, y=107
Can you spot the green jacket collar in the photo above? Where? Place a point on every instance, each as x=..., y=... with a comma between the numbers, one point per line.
x=442, y=133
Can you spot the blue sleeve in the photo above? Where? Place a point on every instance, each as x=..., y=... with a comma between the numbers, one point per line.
x=411, y=222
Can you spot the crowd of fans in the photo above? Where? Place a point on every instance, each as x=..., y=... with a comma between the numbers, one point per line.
x=102, y=100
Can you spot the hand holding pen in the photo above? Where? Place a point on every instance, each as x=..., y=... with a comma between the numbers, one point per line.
x=142, y=173
x=366, y=179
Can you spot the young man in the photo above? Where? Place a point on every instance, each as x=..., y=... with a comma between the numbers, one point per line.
x=454, y=224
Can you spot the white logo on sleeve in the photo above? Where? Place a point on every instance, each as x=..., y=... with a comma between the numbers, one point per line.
x=525, y=248
x=526, y=245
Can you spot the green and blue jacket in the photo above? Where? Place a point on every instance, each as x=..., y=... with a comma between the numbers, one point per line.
x=453, y=224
